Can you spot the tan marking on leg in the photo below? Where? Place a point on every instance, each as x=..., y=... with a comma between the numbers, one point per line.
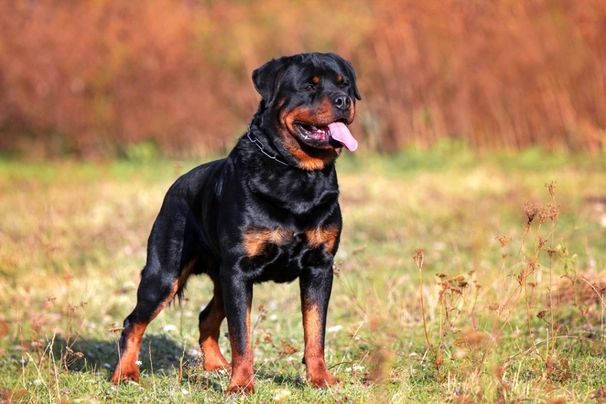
x=166, y=301
x=127, y=369
x=242, y=376
x=177, y=286
x=317, y=371
x=185, y=273
x=212, y=358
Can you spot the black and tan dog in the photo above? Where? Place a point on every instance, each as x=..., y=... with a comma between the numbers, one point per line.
x=267, y=212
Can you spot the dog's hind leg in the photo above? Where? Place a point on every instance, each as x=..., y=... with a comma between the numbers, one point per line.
x=166, y=271
x=210, y=322
x=153, y=295
x=156, y=290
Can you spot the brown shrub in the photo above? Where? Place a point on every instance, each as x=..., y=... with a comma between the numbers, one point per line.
x=91, y=77
x=496, y=73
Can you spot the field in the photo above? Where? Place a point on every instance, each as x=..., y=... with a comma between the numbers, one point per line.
x=462, y=277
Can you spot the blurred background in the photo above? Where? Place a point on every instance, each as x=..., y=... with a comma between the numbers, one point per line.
x=101, y=79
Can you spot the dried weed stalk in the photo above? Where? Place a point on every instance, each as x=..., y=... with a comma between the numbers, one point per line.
x=529, y=281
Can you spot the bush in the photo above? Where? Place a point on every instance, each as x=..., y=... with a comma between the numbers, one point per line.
x=87, y=78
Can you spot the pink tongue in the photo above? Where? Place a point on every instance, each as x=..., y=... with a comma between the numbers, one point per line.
x=340, y=133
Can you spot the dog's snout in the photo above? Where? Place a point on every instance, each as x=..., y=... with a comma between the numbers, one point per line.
x=342, y=102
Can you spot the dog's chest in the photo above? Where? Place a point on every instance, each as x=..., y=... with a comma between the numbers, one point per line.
x=281, y=254
x=294, y=192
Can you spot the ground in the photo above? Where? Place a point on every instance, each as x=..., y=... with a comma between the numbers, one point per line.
x=445, y=289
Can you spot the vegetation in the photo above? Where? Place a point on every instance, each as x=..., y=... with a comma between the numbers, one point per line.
x=466, y=273
x=461, y=277
x=93, y=78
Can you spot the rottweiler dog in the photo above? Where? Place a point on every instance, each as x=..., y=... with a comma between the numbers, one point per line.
x=267, y=212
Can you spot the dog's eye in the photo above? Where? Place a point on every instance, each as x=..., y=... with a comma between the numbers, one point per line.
x=344, y=84
x=309, y=87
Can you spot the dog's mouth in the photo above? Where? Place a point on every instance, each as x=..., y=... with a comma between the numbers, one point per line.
x=334, y=134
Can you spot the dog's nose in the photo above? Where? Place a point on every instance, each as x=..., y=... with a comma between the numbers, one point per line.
x=342, y=102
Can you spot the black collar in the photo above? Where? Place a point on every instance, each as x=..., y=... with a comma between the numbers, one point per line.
x=258, y=143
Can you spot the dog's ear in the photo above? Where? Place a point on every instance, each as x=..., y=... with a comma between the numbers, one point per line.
x=267, y=77
x=352, y=75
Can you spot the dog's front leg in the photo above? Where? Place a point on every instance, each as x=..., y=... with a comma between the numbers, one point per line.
x=316, y=285
x=237, y=294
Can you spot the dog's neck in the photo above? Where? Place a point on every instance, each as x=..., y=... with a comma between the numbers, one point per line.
x=261, y=147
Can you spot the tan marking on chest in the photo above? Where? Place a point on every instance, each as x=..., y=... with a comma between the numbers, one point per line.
x=255, y=240
x=327, y=236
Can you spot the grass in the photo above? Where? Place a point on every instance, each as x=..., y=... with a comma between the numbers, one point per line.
x=445, y=290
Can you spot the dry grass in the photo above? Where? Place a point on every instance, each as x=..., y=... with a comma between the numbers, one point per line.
x=491, y=309
x=95, y=78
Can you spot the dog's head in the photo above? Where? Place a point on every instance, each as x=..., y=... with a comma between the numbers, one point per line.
x=310, y=99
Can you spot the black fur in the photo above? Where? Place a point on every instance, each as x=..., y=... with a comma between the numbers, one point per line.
x=255, y=216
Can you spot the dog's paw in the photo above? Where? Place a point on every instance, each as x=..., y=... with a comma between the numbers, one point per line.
x=214, y=361
x=215, y=366
x=323, y=380
x=246, y=389
x=125, y=374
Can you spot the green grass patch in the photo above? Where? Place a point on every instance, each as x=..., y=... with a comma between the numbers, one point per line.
x=494, y=307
